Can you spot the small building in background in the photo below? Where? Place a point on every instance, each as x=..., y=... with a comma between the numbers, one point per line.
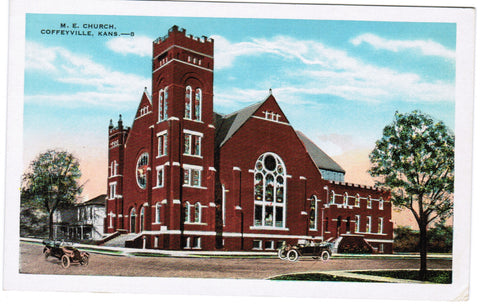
x=81, y=222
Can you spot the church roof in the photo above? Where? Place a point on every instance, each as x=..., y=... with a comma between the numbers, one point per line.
x=320, y=158
x=227, y=125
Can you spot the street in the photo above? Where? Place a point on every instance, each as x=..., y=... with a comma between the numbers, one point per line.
x=32, y=261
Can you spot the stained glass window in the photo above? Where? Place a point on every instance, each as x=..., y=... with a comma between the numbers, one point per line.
x=141, y=170
x=269, y=191
x=198, y=104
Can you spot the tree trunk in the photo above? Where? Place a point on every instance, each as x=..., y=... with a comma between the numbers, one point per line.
x=50, y=225
x=423, y=249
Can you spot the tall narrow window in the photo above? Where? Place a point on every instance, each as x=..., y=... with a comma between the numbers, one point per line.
x=113, y=190
x=357, y=224
x=332, y=197
x=165, y=104
x=133, y=219
x=198, y=213
x=369, y=202
x=162, y=143
x=161, y=97
x=142, y=219
x=188, y=102
x=369, y=224
x=380, y=225
x=313, y=213
x=157, y=213
x=380, y=204
x=357, y=200
x=269, y=191
x=187, y=212
x=160, y=176
x=197, y=115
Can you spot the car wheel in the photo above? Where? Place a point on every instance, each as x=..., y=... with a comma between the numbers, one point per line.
x=46, y=254
x=292, y=255
x=65, y=261
x=325, y=256
x=84, y=261
x=282, y=254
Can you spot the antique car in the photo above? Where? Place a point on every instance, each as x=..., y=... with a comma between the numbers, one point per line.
x=322, y=250
x=66, y=253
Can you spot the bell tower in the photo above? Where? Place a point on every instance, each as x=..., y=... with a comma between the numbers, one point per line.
x=182, y=98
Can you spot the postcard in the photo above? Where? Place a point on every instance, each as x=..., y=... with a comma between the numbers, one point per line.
x=240, y=149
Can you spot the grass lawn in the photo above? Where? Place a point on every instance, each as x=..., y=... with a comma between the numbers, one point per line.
x=433, y=276
x=319, y=277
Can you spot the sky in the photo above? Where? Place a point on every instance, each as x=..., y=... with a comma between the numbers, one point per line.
x=339, y=82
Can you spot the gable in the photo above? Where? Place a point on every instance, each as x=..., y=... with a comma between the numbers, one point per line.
x=270, y=110
x=145, y=107
x=226, y=126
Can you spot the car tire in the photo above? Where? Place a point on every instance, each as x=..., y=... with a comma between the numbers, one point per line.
x=325, y=256
x=65, y=260
x=292, y=255
x=282, y=254
x=46, y=254
x=84, y=261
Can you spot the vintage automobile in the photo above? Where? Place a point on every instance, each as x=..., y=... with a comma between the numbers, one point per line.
x=322, y=250
x=66, y=253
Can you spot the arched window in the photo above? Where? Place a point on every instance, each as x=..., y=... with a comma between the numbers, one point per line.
x=345, y=198
x=332, y=197
x=197, y=110
x=141, y=170
x=187, y=212
x=270, y=191
x=198, y=213
x=357, y=200
x=380, y=204
x=165, y=105
x=142, y=219
x=188, y=102
x=369, y=202
x=133, y=219
x=313, y=213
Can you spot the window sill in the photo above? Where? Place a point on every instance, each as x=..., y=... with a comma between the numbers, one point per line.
x=195, y=223
x=269, y=228
x=197, y=187
x=157, y=187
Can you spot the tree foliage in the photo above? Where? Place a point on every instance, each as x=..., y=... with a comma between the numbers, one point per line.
x=415, y=160
x=51, y=182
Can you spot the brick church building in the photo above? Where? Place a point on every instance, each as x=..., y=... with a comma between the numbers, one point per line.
x=185, y=177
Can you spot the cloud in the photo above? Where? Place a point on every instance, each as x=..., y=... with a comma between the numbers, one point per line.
x=94, y=84
x=320, y=69
x=426, y=47
x=138, y=45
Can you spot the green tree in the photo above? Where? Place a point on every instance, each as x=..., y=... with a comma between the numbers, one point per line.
x=415, y=160
x=51, y=182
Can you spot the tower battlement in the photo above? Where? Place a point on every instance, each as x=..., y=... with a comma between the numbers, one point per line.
x=178, y=37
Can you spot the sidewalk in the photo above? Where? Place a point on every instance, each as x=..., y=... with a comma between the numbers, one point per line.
x=119, y=251
x=371, y=278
